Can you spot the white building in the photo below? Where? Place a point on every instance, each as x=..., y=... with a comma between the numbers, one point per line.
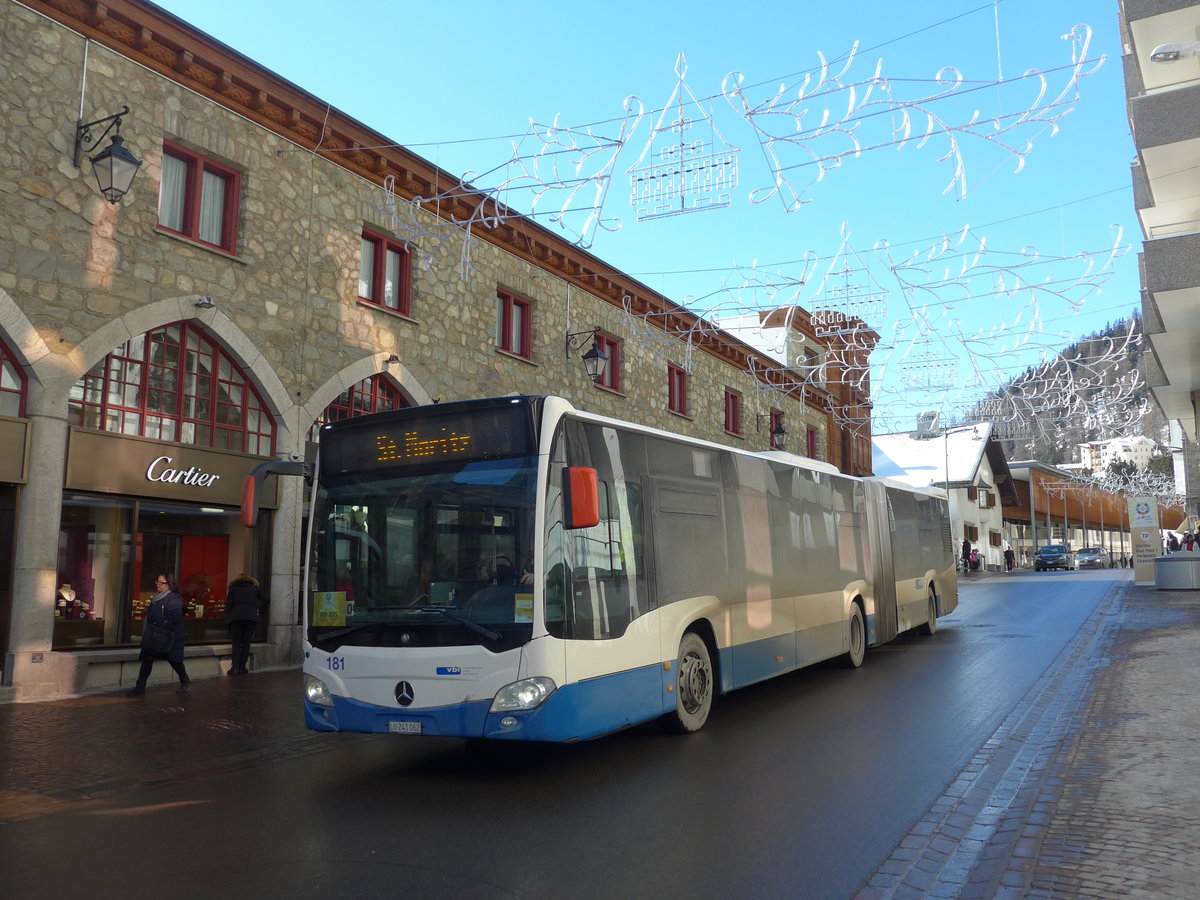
x=1097, y=455
x=980, y=484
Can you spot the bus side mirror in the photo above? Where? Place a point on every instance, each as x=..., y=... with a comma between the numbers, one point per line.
x=252, y=486
x=581, y=497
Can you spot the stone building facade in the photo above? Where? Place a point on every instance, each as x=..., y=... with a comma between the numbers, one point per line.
x=238, y=258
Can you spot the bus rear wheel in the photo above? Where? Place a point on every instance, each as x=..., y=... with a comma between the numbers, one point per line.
x=930, y=626
x=694, y=685
x=853, y=658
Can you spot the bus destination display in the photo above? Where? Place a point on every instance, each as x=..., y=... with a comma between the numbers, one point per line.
x=415, y=440
x=417, y=445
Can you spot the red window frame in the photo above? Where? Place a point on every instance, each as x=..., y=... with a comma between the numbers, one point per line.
x=611, y=376
x=371, y=395
x=810, y=442
x=197, y=165
x=401, y=295
x=519, y=343
x=175, y=383
x=677, y=398
x=10, y=372
x=733, y=412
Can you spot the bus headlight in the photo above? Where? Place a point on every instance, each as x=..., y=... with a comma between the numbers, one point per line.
x=317, y=692
x=528, y=693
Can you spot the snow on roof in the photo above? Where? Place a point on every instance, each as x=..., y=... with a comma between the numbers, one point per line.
x=922, y=461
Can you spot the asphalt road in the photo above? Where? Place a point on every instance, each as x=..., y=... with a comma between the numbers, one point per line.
x=796, y=788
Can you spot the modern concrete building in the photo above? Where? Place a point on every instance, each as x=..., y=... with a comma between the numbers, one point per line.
x=268, y=270
x=1162, y=81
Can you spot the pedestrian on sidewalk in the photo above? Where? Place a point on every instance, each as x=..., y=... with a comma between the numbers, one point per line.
x=243, y=604
x=164, y=613
x=1010, y=560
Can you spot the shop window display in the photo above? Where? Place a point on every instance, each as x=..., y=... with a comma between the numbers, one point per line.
x=94, y=553
x=110, y=550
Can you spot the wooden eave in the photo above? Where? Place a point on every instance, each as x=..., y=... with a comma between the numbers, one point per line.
x=163, y=43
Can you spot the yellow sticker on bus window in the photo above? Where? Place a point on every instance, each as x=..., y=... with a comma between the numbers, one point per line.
x=523, y=608
x=329, y=608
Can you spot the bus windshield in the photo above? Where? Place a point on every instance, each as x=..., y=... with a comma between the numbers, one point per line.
x=436, y=556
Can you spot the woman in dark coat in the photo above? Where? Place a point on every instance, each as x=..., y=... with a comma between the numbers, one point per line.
x=243, y=604
x=165, y=610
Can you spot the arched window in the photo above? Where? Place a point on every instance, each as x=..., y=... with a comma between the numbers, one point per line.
x=174, y=384
x=371, y=395
x=12, y=384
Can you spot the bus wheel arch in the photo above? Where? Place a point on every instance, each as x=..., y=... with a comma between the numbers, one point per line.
x=856, y=626
x=696, y=679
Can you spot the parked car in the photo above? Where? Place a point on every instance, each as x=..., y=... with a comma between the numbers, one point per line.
x=1091, y=558
x=1053, y=556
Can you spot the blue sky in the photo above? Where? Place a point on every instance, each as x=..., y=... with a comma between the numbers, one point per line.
x=459, y=82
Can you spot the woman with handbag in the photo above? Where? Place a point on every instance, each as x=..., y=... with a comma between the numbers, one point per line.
x=162, y=634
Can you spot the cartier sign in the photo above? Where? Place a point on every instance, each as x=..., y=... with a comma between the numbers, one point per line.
x=160, y=470
x=141, y=467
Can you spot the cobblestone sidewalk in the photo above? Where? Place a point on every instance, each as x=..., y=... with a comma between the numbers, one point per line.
x=1089, y=789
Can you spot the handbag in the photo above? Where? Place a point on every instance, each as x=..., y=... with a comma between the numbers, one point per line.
x=158, y=638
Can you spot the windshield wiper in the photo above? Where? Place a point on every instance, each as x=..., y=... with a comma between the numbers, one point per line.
x=342, y=632
x=450, y=612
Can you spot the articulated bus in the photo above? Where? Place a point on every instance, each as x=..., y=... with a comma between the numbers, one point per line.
x=516, y=568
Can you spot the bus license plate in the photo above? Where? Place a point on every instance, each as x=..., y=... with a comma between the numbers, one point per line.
x=404, y=727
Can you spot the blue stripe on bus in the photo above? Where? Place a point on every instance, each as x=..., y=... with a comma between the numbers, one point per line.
x=758, y=660
x=579, y=711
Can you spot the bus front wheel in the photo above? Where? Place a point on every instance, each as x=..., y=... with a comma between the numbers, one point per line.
x=853, y=657
x=694, y=686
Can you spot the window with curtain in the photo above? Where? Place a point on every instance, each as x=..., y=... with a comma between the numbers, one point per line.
x=198, y=198
x=174, y=384
x=611, y=376
x=733, y=412
x=385, y=272
x=677, y=399
x=513, y=330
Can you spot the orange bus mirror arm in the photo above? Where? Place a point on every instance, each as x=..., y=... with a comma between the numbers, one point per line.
x=253, y=485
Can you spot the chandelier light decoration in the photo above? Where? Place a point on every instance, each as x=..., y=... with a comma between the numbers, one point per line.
x=944, y=327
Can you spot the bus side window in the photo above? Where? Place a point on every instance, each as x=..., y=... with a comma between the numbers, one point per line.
x=594, y=581
x=596, y=612
x=606, y=592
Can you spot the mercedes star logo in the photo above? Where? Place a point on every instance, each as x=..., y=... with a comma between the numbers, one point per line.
x=404, y=693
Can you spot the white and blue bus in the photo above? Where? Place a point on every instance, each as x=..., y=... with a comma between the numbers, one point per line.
x=519, y=569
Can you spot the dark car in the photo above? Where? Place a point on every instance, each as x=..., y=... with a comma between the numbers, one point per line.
x=1091, y=558
x=1053, y=556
